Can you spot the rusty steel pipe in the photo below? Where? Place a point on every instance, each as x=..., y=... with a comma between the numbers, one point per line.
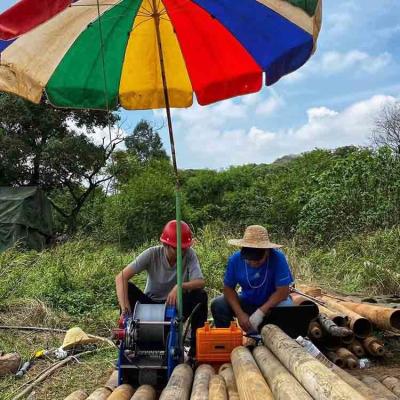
x=332, y=329
x=348, y=357
x=338, y=318
x=201, y=382
x=314, y=330
x=356, y=348
x=335, y=359
x=360, y=325
x=144, y=392
x=382, y=317
x=373, y=346
x=77, y=395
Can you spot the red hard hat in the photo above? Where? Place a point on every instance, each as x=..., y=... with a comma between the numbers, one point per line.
x=168, y=235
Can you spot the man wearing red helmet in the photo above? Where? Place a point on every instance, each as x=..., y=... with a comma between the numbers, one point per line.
x=160, y=264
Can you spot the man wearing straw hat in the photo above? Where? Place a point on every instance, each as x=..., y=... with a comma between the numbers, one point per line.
x=262, y=272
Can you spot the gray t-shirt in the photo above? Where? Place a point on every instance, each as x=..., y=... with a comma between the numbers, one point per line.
x=161, y=277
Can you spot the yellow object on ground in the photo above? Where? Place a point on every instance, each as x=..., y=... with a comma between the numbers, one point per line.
x=75, y=337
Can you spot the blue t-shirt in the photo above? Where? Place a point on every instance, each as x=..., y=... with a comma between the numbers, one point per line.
x=258, y=284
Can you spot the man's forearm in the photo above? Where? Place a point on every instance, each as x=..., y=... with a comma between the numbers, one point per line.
x=233, y=300
x=122, y=293
x=276, y=297
x=194, y=284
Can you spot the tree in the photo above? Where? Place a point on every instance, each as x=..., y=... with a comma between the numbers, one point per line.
x=145, y=143
x=387, y=128
x=45, y=147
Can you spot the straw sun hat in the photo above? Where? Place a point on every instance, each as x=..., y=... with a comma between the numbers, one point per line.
x=255, y=236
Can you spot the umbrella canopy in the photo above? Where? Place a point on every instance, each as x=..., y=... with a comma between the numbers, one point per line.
x=102, y=54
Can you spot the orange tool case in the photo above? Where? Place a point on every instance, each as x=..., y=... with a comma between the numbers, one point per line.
x=214, y=345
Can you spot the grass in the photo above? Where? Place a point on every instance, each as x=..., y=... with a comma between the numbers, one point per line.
x=73, y=284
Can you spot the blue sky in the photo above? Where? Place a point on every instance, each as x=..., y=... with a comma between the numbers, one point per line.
x=331, y=101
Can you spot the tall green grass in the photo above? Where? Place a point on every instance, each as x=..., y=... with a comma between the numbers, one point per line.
x=77, y=278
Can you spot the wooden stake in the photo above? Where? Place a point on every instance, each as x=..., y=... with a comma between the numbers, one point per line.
x=282, y=383
x=122, y=392
x=250, y=382
x=217, y=390
x=77, y=395
x=201, y=382
x=100, y=394
x=144, y=392
x=226, y=371
x=179, y=384
x=320, y=382
x=374, y=384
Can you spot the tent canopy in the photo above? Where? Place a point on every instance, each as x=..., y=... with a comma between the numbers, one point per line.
x=25, y=217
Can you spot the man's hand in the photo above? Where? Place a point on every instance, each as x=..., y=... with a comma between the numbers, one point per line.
x=244, y=321
x=172, y=295
x=256, y=318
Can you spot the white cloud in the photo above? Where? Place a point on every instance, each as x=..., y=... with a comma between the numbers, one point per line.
x=334, y=62
x=210, y=145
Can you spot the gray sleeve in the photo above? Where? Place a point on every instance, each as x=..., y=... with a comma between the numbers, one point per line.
x=193, y=266
x=142, y=261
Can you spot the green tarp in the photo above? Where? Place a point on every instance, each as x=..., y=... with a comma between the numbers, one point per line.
x=25, y=218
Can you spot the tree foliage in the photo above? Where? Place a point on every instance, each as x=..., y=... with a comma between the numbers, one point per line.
x=44, y=146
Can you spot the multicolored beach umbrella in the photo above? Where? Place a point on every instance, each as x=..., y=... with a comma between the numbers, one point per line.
x=146, y=54
x=102, y=54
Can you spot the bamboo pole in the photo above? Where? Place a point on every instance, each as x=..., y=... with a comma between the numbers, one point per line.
x=179, y=384
x=361, y=326
x=201, y=382
x=77, y=395
x=226, y=371
x=373, y=383
x=250, y=382
x=217, y=389
x=122, y=392
x=100, y=394
x=144, y=392
x=393, y=384
x=316, y=378
x=283, y=385
x=382, y=317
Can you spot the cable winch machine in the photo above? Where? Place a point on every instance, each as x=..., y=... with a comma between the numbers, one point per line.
x=149, y=346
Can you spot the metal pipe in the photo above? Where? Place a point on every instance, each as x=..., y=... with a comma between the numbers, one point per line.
x=348, y=357
x=332, y=329
x=382, y=317
x=373, y=346
x=335, y=359
x=338, y=318
x=356, y=348
x=361, y=326
x=314, y=330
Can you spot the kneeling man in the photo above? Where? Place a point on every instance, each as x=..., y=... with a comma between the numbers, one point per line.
x=264, y=276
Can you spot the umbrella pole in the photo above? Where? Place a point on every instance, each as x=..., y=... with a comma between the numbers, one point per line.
x=156, y=16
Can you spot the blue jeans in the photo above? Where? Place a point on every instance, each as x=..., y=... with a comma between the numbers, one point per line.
x=223, y=313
